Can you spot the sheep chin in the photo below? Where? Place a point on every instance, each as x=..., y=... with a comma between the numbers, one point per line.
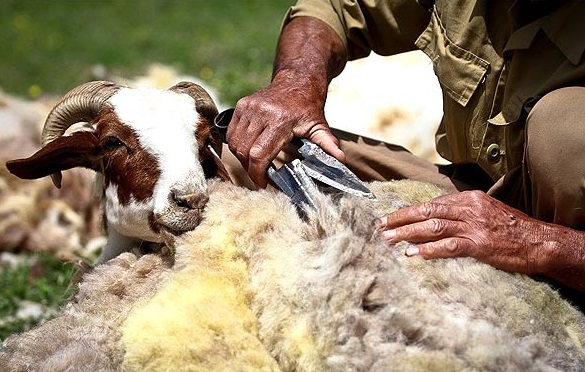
x=175, y=223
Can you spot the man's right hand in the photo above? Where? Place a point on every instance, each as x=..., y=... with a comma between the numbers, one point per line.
x=264, y=122
x=309, y=55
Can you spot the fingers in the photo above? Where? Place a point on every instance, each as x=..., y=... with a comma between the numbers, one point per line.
x=329, y=143
x=444, y=248
x=467, y=224
x=439, y=230
x=255, y=140
x=421, y=212
x=262, y=153
x=429, y=230
x=461, y=247
x=259, y=131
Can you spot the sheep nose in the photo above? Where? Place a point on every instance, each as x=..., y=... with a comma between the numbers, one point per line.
x=190, y=201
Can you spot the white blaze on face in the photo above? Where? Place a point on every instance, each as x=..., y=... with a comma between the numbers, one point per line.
x=129, y=220
x=165, y=123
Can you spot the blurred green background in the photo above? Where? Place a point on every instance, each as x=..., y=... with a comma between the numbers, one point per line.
x=50, y=46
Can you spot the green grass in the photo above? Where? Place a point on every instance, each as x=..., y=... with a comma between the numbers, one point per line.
x=50, y=46
x=43, y=279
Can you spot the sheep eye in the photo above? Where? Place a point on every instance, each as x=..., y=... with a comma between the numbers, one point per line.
x=112, y=143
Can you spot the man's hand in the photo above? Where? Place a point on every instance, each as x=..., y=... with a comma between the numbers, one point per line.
x=264, y=122
x=473, y=224
x=308, y=56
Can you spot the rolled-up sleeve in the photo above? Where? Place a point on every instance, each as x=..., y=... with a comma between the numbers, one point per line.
x=385, y=27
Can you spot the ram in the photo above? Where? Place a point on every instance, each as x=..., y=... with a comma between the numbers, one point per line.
x=152, y=149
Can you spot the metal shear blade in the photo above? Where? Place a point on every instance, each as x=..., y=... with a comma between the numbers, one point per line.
x=295, y=178
x=330, y=171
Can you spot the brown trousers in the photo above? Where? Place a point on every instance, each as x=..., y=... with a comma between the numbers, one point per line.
x=550, y=184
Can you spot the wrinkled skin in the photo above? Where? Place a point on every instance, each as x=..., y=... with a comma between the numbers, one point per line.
x=473, y=224
x=293, y=104
x=468, y=224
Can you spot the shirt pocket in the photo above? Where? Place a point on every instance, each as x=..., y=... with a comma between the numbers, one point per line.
x=502, y=148
x=459, y=71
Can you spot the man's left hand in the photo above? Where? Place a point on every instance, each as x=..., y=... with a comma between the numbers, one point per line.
x=470, y=224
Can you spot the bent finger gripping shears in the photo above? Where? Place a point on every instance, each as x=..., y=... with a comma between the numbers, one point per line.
x=297, y=177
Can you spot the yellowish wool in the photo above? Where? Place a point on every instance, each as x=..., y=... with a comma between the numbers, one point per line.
x=253, y=283
x=200, y=320
x=301, y=346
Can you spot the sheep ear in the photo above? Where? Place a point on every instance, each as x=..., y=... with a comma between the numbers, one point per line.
x=60, y=154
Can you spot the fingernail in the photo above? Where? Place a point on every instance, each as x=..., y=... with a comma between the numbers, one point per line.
x=389, y=234
x=413, y=250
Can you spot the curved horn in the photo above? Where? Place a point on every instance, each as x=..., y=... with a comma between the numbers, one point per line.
x=82, y=103
x=204, y=105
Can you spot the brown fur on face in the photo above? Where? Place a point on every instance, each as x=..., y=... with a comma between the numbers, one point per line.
x=128, y=166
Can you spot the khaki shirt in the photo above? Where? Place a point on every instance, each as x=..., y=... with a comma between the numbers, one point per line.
x=491, y=64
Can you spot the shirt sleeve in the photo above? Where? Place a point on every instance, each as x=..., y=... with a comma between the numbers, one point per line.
x=384, y=27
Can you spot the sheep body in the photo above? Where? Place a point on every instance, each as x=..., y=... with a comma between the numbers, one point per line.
x=254, y=287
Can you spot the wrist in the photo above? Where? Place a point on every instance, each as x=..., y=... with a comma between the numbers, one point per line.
x=309, y=53
x=301, y=85
x=562, y=256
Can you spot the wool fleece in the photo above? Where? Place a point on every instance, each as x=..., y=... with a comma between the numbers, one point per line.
x=84, y=335
x=255, y=287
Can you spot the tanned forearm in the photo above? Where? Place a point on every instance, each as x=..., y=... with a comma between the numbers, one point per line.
x=563, y=255
x=309, y=52
x=309, y=55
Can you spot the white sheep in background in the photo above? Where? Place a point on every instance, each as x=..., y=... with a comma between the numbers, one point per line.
x=253, y=286
x=36, y=217
x=166, y=132
x=396, y=99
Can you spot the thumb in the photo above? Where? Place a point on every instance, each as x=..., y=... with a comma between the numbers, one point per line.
x=329, y=143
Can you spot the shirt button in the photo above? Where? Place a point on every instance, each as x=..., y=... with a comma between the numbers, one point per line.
x=493, y=151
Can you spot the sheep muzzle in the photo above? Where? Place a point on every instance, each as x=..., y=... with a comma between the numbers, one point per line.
x=183, y=213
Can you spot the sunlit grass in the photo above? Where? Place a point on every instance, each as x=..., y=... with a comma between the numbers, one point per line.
x=51, y=46
x=41, y=280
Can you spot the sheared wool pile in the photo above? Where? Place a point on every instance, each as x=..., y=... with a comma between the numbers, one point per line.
x=34, y=215
x=255, y=287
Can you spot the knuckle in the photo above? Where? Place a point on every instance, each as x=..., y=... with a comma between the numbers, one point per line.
x=245, y=102
x=426, y=210
x=451, y=247
x=441, y=249
x=259, y=157
x=427, y=251
x=436, y=227
x=268, y=108
x=475, y=195
x=256, y=153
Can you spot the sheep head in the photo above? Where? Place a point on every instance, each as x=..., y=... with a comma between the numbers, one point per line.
x=154, y=150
